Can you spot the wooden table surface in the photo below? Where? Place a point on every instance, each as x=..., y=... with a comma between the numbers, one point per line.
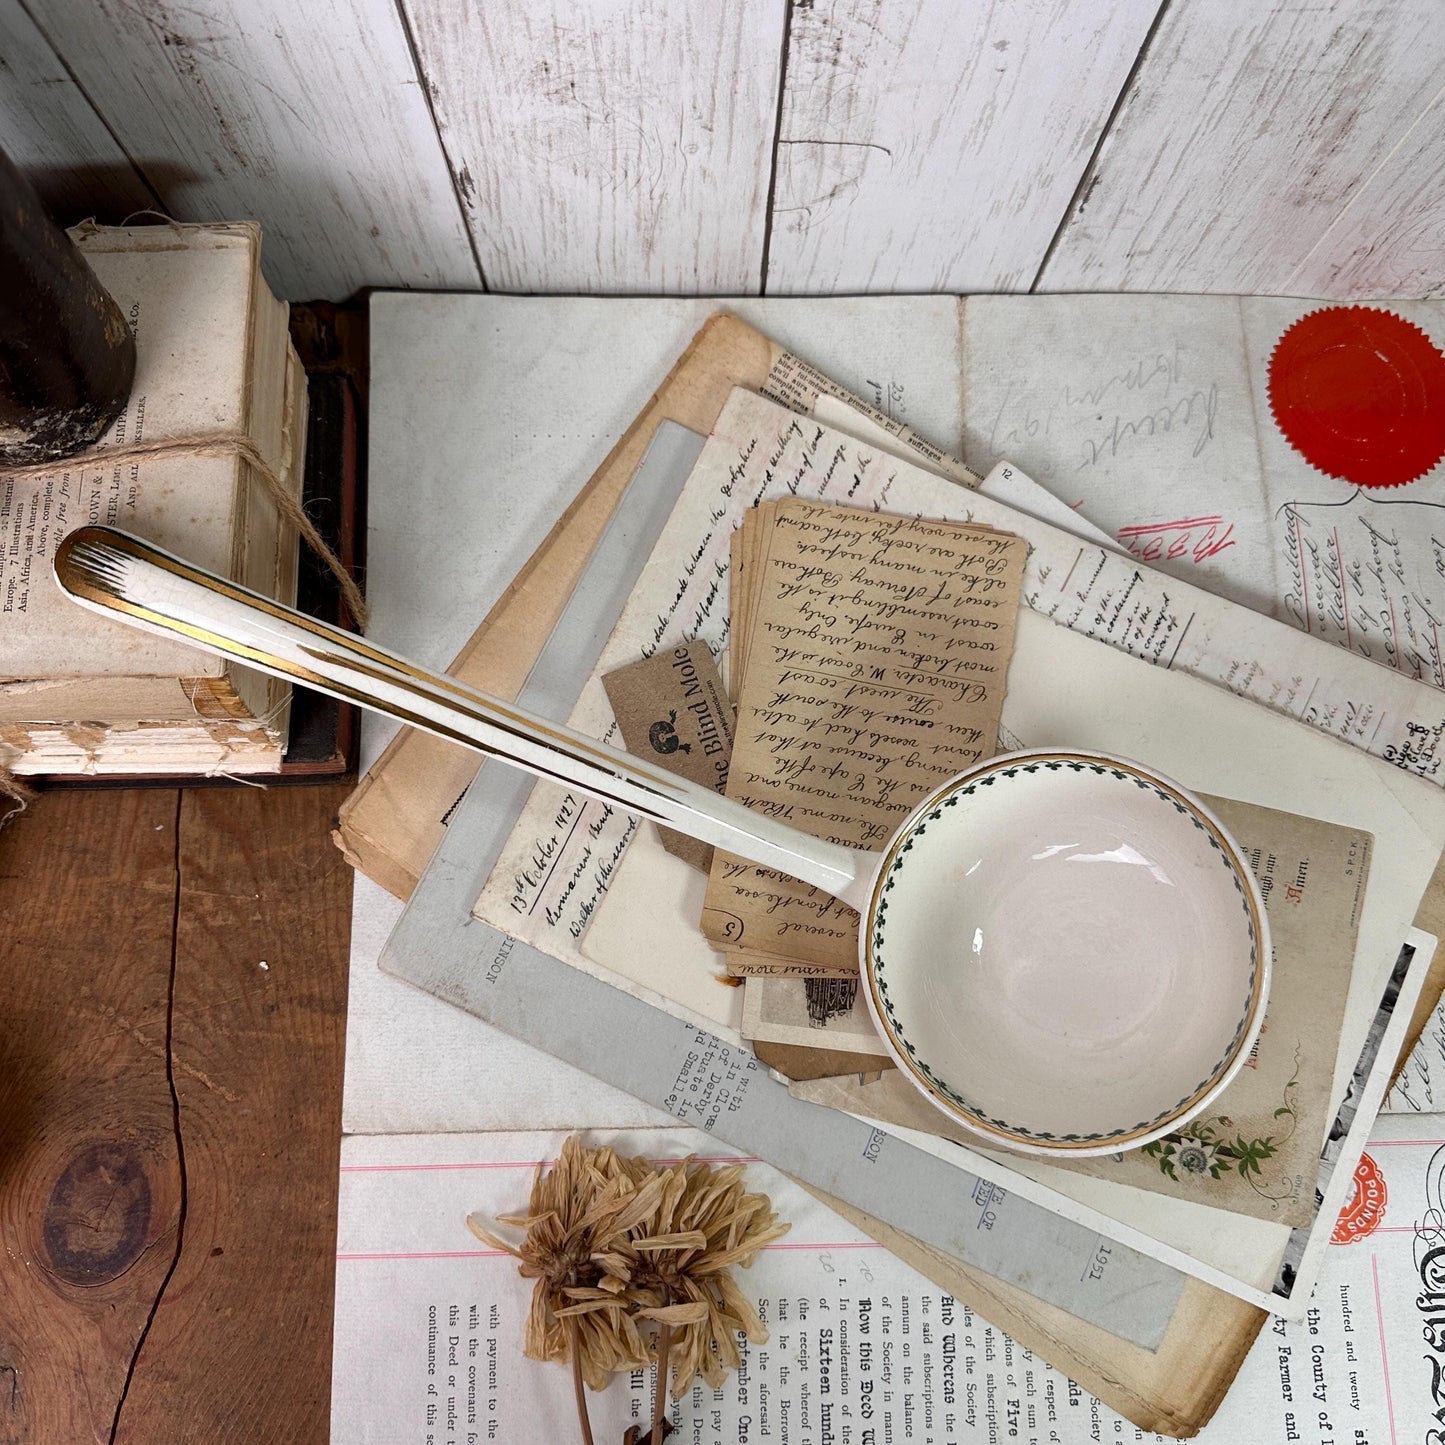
x=171, y=1047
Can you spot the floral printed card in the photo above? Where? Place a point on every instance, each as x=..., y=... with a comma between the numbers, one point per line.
x=1257, y=1150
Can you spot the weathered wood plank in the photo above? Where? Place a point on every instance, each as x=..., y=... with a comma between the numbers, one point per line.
x=931, y=147
x=1389, y=238
x=90, y=1183
x=308, y=118
x=1248, y=132
x=240, y=1349
x=51, y=131
x=608, y=146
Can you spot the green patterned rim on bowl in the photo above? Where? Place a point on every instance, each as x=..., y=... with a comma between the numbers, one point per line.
x=881, y=968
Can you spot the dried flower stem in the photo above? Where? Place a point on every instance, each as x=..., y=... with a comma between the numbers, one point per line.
x=659, y=1398
x=577, y=1388
x=619, y=1247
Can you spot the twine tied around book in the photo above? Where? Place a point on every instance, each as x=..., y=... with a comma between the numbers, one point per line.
x=213, y=445
x=15, y=793
x=237, y=444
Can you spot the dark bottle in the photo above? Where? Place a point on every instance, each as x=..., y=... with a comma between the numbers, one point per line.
x=67, y=358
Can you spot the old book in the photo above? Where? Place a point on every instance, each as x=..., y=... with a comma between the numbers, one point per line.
x=219, y=396
x=1201, y=1361
x=323, y=735
x=324, y=732
x=1174, y=1389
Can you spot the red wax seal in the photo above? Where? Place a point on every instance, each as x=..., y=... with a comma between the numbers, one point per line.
x=1365, y=1212
x=1359, y=393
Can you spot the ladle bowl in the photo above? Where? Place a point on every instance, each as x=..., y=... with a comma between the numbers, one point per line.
x=1065, y=952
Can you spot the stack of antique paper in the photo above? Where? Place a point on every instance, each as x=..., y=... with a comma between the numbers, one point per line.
x=1343, y=843
x=1106, y=656
x=884, y=650
x=215, y=426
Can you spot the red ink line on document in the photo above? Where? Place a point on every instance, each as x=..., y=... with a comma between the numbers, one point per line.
x=1344, y=588
x=523, y=1164
x=1191, y=538
x=1183, y=524
x=1384, y=1353
x=1304, y=581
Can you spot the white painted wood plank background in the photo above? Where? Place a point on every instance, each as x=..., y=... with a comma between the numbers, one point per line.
x=609, y=145
x=48, y=128
x=1248, y=132
x=1389, y=238
x=791, y=146
x=305, y=116
x=936, y=147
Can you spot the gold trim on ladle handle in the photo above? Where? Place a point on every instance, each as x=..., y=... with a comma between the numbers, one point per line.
x=127, y=578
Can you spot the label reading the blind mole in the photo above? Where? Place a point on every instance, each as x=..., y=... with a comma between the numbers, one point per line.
x=672, y=710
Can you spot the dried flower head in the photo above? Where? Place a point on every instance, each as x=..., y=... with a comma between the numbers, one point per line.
x=618, y=1245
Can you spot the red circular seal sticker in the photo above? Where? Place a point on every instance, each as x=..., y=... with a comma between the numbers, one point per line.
x=1365, y=1212
x=1359, y=393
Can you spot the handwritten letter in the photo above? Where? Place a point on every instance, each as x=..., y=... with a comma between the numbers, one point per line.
x=876, y=667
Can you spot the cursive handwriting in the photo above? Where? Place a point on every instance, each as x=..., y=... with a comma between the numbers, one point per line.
x=1194, y=539
x=875, y=669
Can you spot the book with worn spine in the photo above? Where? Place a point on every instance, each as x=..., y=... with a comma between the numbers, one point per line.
x=219, y=401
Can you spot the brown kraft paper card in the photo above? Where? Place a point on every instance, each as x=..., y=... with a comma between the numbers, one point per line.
x=672, y=709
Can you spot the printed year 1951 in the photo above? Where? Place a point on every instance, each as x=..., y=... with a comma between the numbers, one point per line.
x=1097, y=1263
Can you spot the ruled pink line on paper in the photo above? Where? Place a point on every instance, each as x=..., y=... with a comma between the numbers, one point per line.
x=525, y=1164
x=1384, y=1353
x=1142, y=527
x=428, y=1254
x=852, y=1244
x=503, y=1254
x=1403, y=1144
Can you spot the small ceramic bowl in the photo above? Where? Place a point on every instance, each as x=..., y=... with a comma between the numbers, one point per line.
x=1066, y=953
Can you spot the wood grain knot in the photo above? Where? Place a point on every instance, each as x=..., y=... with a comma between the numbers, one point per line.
x=98, y=1216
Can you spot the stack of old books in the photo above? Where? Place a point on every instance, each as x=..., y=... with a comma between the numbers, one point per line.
x=202, y=461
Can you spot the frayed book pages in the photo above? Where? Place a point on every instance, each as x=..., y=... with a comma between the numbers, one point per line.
x=215, y=424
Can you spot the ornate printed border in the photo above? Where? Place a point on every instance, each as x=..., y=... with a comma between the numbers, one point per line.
x=907, y=1054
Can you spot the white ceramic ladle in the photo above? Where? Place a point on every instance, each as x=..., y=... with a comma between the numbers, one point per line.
x=1064, y=951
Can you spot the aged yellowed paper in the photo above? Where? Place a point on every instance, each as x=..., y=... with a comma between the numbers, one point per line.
x=877, y=654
